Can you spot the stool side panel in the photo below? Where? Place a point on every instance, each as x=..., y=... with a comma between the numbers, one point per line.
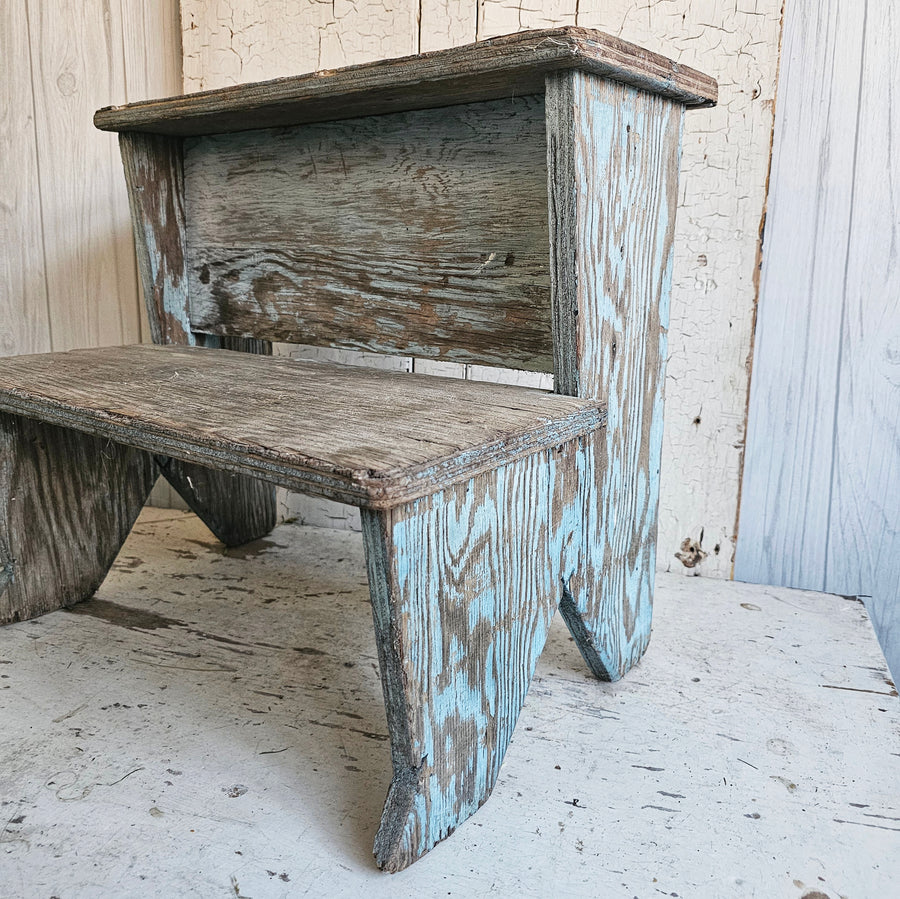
x=154, y=175
x=464, y=584
x=68, y=500
x=613, y=155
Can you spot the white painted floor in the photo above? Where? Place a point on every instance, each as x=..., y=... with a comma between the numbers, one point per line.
x=211, y=725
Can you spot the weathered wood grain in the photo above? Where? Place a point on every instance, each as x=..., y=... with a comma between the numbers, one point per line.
x=613, y=157
x=421, y=232
x=67, y=503
x=360, y=436
x=463, y=584
x=215, y=495
x=77, y=62
x=154, y=174
x=240, y=45
x=507, y=66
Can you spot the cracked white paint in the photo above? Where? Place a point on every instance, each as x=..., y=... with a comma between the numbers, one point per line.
x=723, y=185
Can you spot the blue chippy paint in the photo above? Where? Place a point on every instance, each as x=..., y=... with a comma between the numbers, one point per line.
x=624, y=150
x=476, y=581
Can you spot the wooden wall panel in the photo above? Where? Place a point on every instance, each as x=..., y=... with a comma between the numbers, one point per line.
x=786, y=495
x=68, y=263
x=717, y=230
x=863, y=548
x=77, y=51
x=821, y=497
x=24, y=322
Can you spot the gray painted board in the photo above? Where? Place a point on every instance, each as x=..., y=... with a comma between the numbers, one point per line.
x=821, y=494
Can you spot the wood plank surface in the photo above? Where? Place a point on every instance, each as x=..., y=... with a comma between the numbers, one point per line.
x=421, y=232
x=507, y=66
x=613, y=157
x=863, y=539
x=63, y=215
x=78, y=62
x=361, y=436
x=67, y=503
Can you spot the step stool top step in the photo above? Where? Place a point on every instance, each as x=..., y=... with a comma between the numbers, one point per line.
x=513, y=65
x=358, y=435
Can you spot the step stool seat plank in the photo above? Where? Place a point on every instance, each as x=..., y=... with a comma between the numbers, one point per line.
x=509, y=66
x=367, y=437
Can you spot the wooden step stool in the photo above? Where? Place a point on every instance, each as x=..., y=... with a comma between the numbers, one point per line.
x=507, y=203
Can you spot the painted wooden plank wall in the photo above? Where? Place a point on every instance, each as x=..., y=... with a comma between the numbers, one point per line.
x=821, y=497
x=717, y=232
x=67, y=270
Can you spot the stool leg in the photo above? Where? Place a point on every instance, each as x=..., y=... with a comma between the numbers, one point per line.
x=463, y=584
x=236, y=508
x=67, y=503
x=609, y=565
x=612, y=167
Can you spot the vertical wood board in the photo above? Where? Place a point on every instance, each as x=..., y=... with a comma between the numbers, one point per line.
x=820, y=504
x=63, y=218
x=793, y=401
x=78, y=63
x=23, y=282
x=863, y=544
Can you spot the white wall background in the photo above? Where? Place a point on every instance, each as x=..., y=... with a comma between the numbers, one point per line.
x=723, y=188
